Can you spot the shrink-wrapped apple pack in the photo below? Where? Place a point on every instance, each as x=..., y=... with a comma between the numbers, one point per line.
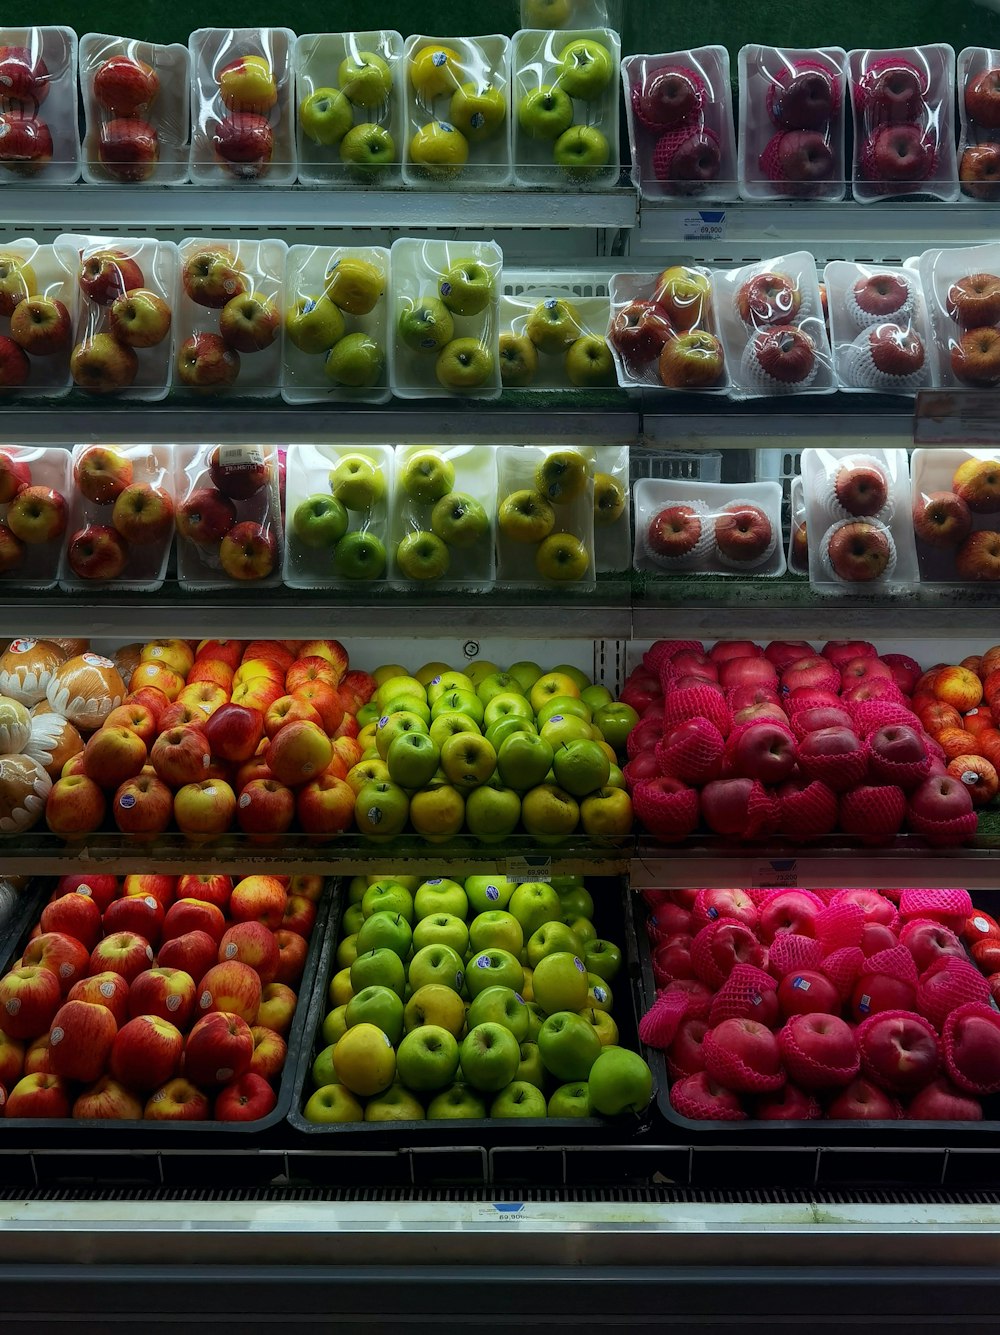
x=337, y=516
x=663, y=331
x=708, y=527
x=979, y=121
x=34, y=514
x=878, y=328
x=38, y=301
x=962, y=291
x=956, y=514
x=39, y=118
x=228, y=515
x=552, y=330
x=443, y=516
x=798, y=534
x=545, y=517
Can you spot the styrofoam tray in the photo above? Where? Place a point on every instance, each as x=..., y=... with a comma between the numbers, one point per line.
x=524, y=289
x=50, y=467
x=57, y=47
x=651, y=494
x=48, y=376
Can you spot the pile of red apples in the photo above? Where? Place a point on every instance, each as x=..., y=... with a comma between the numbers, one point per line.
x=791, y=1005
x=793, y=743
x=159, y=998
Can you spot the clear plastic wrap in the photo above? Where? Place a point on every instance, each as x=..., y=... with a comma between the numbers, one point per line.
x=858, y=508
x=770, y=321
x=612, y=517
x=337, y=515
x=979, y=120
x=798, y=533
x=33, y=537
x=137, y=110
x=458, y=115
x=126, y=314
x=904, y=122
x=444, y=319
x=679, y=109
x=228, y=517
x=708, y=527
x=571, y=14
x=545, y=517
x=242, y=117
x=565, y=95
x=544, y=318
x=443, y=513
x=663, y=330
x=121, y=519
x=39, y=114
x=334, y=294
x=956, y=514
x=878, y=328
x=962, y=291
x=792, y=119
x=349, y=125
x=35, y=342
x=229, y=319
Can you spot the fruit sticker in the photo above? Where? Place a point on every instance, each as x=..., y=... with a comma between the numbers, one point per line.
x=21, y=646
x=95, y=660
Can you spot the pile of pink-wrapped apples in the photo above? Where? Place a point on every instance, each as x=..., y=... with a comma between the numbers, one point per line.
x=851, y=1004
x=792, y=743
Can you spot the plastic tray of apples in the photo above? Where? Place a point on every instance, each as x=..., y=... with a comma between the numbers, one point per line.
x=444, y=317
x=858, y=509
x=229, y=528
x=545, y=517
x=792, y=119
x=565, y=93
x=713, y=528
x=798, y=536
x=242, y=111
x=398, y=1063
x=956, y=514
x=770, y=322
x=457, y=131
x=749, y=1053
x=979, y=118
x=679, y=110
x=337, y=515
x=336, y=325
x=39, y=121
x=34, y=513
x=442, y=517
x=124, y=327
x=878, y=328
x=904, y=122
x=121, y=519
x=571, y=14
x=349, y=96
x=612, y=528
x=38, y=297
x=662, y=331
x=552, y=330
x=138, y=948
x=962, y=292
x=137, y=110
x=228, y=332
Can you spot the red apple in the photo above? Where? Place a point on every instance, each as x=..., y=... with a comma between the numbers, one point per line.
x=862, y=1101
x=277, y=1007
x=218, y=1049
x=60, y=954
x=269, y=1053
x=168, y=993
x=38, y=1096
x=743, y=1055
x=80, y=1040
x=193, y=953
x=249, y=551
x=247, y=1099
x=899, y=1051
x=177, y=1101
x=181, y=755
x=107, y=274
x=41, y=326
x=141, y=915
x=210, y=888
x=29, y=997
x=73, y=915
x=639, y=331
x=123, y=952
x=764, y=751
x=102, y=889
x=205, y=517
x=103, y=989
x=877, y=992
x=789, y=911
x=128, y=148
x=804, y=992
x=819, y=1051
x=146, y=1052
x=24, y=75
x=25, y=142
x=244, y=141
x=193, y=915
x=253, y=944
x=929, y=942
x=161, y=887
x=205, y=361
x=107, y=1100
x=233, y=732
x=293, y=950
x=941, y=1101
x=124, y=85
x=941, y=519
x=143, y=806
x=743, y=533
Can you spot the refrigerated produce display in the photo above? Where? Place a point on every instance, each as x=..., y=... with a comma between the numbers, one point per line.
x=500, y=667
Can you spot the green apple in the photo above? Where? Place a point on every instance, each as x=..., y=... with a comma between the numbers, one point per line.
x=427, y=326
x=397, y=686
x=518, y=360
x=459, y=702
x=490, y=1057
x=553, y=326
x=357, y=482
x=545, y=112
x=576, y=900
x=589, y=363
x=322, y=1071
x=464, y=363
x=468, y=760
x=500, y=1005
x=354, y=916
x=482, y=667
x=334, y=1024
x=356, y=888
x=536, y=1018
x=488, y=892
x=391, y=726
x=319, y=521
x=584, y=931
x=326, y=116
x=434, y=1004
x=494, y=968
x=533, y=904
x=450, y=724
x=379, y=968
x=422, y=556
x=525, y=516
x=395, y=1104
x=333, y=1103
x=498, y=732
x=519, y=1099
x=460, y=520
x=357, y=361
x=407, y=704
x=559, y=982
x=619, y=1081
x=448, y=681
x=552, y=937
x=467, y=288
x=380, y=1006
x=440, y=895
x=365, y=79
x=545, y=13
x=602, y=958
x=388, y=896
x=570, y=1100
x=457, y=1103
x=569, y=1046
x=495, y=927
x=441, y=929
x=492, y=811
x=407, y=882
x=359, y=555
x=389, y=930
x=599, y=995
x=427, y=476
x=616, y=779
x=526, y=672
x=314, y=324
x=523, y=760
x=603, y=1026
x=596, y=697
x=436, y=964
x=616, y=721
x=347, y=951
x=498, y=683
x=563, y=704
x=563, y=729
x=507, y=704
x=368, y=149
x=610, y=499
x=439, y=150
x=581, y=767
x=585, y=68
x=412, y=759
x=478, y=110
x=532, y=1068
x=581, y=151
x=562, y=476
x=381, y=808
x=427, y=1058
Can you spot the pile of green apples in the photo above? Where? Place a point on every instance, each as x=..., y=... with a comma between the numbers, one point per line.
x=322, y=522
x=488, y=999
x=554, y=328
x=490, y=751
x=427, y=327
x=318, y=323
x=583, y=72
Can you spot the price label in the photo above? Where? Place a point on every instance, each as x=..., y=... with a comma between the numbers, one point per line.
x=706, y=225
x=780, y=873
x=528, y=869
x=956, y=417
